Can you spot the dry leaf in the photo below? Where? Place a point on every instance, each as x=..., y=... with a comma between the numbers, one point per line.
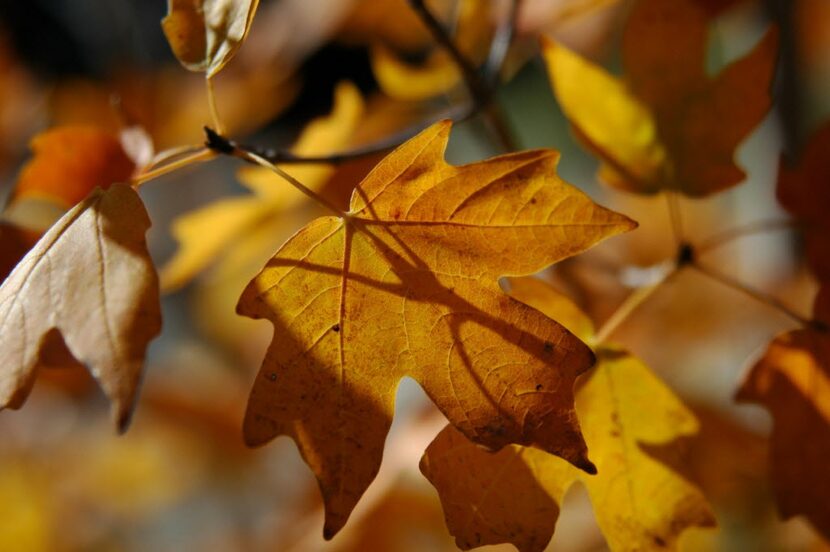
x=633, y=425
x=250, y=224
x=667, y=124
x=406, y=285
x=205, y=34
x=69, y=162
x=91, y=279
x=792, y=380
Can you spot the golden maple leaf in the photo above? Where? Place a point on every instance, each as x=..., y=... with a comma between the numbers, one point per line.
x=90, y=283
x=631, y=422
x=405, y=284
x=667, y=125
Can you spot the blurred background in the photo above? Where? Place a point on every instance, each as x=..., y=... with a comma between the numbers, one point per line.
x=180, y=478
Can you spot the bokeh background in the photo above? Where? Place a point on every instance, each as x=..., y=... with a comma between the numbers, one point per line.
x=180, y=478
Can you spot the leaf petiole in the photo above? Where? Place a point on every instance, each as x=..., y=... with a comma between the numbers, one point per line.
x=200, y=156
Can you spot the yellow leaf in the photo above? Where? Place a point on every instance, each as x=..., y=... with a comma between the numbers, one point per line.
x=632, y=424
x=26, y=513
x=438, y=73
x=209, y=232
x=666, y=125
x=205, y=34
x=792, y=380
x=606, y=115
x=539, y=295
x=406, y=284
x=90, y=278
x=404, y=81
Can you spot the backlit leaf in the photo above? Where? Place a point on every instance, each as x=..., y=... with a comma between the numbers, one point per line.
x=631, y=422
x=205, y=34
x=90, y=279
x=69, y=162
x=666, y=125
x=407, y=285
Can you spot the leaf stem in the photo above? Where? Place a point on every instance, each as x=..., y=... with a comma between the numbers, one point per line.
x=200, y=156
x=757, y=227
x=220, y=145
x=756, y=294
x=214, y=112
x=631, y=303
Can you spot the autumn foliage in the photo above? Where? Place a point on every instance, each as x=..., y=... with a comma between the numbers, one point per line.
x=486, y=279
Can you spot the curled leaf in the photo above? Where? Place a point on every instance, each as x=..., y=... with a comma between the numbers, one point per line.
x=205, y=34
x=90, y=283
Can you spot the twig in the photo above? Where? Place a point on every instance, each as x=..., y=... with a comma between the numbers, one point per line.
x=478, y=88
x=204, y=154
x=631, y=303
x=757, y=227
x=456, y=114
x=501, y=45
x=756, y=294
x=219, y=144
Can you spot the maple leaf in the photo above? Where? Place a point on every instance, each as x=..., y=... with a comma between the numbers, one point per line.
x=792, y=380
x=205, y=34
x=245, y=227
x=405, y=284
x=667, y=125
x=632, y=424
x=91, y=280
x=71, y=161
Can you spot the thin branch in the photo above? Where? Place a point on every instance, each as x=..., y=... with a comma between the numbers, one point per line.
x=631, y=303
x=757, y=227
x=205, y=154
x=478, y=88
x=456, y=114
x=219, y=144
x=501, y=45
x=756, y=294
